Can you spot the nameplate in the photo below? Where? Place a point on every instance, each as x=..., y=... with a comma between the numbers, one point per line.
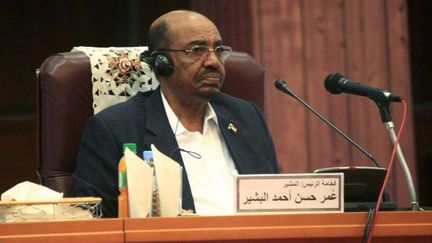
x=290, y=193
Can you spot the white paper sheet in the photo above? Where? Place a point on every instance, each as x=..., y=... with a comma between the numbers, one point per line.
x=28, y=191
x=169, y=181
x=139, y=180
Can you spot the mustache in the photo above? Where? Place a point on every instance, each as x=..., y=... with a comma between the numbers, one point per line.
x=211, y=73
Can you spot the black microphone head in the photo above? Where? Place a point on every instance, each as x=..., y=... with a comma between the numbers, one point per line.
x=332, y=82
x=281, y=85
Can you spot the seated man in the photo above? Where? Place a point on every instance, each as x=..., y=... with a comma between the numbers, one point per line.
x=211, y=134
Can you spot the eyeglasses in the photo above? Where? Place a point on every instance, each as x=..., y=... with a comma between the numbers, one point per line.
x=197, y=52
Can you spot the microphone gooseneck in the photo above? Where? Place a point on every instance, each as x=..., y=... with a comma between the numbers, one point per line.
x=284, y=87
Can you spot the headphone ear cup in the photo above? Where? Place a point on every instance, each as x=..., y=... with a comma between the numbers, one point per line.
x=161, y=63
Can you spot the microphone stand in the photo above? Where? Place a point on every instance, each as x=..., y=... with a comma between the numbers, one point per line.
x=284, y=87
x=383, y=105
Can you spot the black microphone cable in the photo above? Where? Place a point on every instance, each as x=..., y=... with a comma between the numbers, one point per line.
x=368, y=225
x=191, y=153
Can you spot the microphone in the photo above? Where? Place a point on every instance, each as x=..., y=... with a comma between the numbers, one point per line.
x=335, y=83
x=284, y=87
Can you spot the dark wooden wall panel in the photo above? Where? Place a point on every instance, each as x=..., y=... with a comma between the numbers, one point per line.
x=227, y=14
x=31, y=31
x=400, y=83
x=280, y=35
x=420, y=39
x=18, y=146
x=324, y=53
x=302, y=41
x=368, y=61
x=356, y=63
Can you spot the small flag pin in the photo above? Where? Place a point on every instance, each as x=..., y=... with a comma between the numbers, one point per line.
x=232, y=128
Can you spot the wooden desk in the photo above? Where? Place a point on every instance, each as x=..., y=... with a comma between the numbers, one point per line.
x=346, y=227
x=100, y=230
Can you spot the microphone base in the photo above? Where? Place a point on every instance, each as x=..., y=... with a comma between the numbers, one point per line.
x=365, y=206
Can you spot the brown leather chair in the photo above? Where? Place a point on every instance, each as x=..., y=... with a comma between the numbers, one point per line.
x=64, y=102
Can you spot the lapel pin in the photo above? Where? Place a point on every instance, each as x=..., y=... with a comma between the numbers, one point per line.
x=232, y=128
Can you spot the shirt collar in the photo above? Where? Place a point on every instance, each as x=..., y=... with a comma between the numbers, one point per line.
x=175, y=124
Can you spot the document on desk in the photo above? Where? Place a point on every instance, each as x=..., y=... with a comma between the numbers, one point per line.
x=139, y=181
x=169, y=183
x=290, y=193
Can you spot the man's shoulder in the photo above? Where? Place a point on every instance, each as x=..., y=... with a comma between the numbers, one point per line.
x=224, y=97
x=226, y=100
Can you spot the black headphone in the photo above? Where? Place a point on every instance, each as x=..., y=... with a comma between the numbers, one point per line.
x=159, y=61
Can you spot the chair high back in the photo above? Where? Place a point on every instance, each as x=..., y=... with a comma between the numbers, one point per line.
x=64, y=102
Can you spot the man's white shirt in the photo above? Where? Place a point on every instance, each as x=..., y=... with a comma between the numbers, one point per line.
x=211, y=175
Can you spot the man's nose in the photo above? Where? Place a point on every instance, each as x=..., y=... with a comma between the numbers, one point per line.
x=211, y=59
